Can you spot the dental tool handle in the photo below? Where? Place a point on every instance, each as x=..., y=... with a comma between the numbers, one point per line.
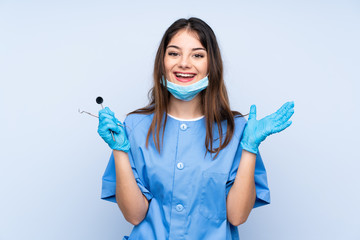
x=112, y=134
x=99, y=100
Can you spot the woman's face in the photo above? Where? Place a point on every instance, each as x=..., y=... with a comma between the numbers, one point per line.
x=186, y=60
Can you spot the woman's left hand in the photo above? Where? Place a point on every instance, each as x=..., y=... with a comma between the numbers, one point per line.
x=257, y=130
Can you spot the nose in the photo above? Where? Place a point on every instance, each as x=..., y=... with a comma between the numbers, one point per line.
x=184, y=63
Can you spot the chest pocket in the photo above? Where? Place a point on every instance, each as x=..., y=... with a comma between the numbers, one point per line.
x=213, y=196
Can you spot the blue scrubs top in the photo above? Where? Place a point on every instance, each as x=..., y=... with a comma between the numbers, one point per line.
x=186, y=189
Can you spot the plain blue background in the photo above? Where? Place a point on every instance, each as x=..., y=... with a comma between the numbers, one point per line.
x=58, y=56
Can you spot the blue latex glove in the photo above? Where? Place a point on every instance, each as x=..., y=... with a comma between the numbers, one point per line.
x=257, y=130
x=107, y=124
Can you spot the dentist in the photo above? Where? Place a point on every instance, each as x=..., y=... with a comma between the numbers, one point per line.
x=186, y=166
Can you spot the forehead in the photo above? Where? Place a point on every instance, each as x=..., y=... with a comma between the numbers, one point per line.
x=186, y=39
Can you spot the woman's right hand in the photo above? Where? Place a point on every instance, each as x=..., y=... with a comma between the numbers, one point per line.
x=107, y=124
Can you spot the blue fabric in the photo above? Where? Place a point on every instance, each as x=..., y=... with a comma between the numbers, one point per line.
x=186, y=93
x=186, y=189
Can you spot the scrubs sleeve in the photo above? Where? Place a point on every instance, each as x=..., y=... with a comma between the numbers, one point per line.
x=109, y=178
x=108, y=190
x=261, y=185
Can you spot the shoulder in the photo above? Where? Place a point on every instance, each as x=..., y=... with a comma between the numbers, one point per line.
x=134, y=119
x=239, y=120
x=240, y=123
x=137, y=120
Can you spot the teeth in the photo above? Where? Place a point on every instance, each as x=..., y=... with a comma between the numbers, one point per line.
x=184, y=75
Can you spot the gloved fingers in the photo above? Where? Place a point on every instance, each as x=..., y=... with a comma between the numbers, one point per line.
x=252, y=114
x=281, y=127
x=108, y=124
x=275, y=116
x=286, y=116
x=102, y=111
x=115, y=128
x=106, y=116
x=285, y=107
x=283, y=110
x=106, y=137
x=105, y=133
x=107, y=111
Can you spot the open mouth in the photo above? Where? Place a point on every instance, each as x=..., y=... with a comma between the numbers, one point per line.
x=184, y=77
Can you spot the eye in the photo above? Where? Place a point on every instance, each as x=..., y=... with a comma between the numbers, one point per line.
x=173, y=54
x=198, y=55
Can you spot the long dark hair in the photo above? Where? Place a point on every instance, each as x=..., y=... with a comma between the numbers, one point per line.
x=214, y=99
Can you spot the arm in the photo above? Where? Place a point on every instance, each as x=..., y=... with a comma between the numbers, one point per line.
x=132, y=203
x=242, y=194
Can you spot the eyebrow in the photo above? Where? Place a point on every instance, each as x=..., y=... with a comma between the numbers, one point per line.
x=194, y=49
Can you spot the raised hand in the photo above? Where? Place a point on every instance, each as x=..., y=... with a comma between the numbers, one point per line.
x=257, y=130
x=107, y=124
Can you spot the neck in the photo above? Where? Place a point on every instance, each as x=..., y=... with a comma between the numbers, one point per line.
x=185, y=110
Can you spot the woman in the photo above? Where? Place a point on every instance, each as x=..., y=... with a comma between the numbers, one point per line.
x=186, y=166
